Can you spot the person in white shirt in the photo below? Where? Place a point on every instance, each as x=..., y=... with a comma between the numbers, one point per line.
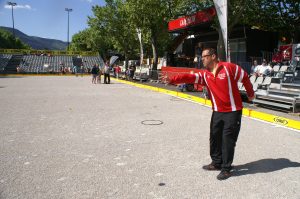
x=263, y=70
x=106, y=72
x=253, y=67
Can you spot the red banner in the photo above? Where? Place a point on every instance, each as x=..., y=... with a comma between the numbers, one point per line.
x=200, y=17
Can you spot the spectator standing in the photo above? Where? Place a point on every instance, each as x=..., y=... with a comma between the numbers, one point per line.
x=118, y=71
x=99, y=74
x=134, y=69
x=62, y=68
x=127, y=74
x=106, y=72
x=198, y=54
x=81, y=70
x=77, y=70
x=114, y=70
x=95, y=71
x=74, y=70
x=131, y=72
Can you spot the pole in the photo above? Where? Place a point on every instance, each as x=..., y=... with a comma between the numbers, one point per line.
x=228, y=44
x=68, y=28
x=12, y=4
x=68, y=10
x=222, y=12
x=139, y=32
x=13, y=20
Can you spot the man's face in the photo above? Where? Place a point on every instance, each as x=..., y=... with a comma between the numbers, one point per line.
x=208, y=59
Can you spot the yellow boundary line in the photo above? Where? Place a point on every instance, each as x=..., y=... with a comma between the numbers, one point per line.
x=273, y=119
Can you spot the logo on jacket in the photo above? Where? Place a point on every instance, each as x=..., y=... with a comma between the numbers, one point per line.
x=221, y=75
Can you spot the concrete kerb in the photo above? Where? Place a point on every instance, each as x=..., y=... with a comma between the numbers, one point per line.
x=265, y=117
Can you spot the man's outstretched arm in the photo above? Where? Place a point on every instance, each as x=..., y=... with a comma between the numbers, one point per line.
x=196, y=78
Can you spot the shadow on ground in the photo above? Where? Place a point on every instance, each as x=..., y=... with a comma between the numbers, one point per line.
x=264, y=166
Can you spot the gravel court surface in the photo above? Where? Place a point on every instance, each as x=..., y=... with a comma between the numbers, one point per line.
x=63, y=137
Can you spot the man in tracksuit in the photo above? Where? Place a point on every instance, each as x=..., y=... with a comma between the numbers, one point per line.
x=221, y=80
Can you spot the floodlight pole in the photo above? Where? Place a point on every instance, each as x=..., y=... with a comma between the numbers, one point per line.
x=68, y=10
x=12, y=4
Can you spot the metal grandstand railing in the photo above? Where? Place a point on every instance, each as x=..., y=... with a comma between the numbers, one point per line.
x=44, y=64
x=277, y=90
x=4, y=59
x=90, y=61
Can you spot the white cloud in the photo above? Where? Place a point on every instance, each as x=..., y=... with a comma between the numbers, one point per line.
x=27, y=7
x=89, y=1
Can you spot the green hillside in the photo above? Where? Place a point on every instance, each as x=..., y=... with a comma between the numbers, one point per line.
x=38, y=43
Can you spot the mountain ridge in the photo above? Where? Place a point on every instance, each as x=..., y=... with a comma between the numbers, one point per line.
x=38, y=43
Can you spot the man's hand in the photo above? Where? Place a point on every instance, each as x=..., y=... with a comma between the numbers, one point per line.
x=251, y=98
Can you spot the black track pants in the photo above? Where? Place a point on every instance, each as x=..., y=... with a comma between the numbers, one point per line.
x=224, y=131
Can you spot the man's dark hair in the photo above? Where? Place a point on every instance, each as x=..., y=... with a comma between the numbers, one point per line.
x=211, y=51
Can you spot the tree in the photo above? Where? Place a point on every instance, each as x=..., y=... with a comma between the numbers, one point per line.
x=80, y=41
x=152, y=17
x=282, y=16
x=90, y=39
x=259, y=13
x=237, y=11
x=113, y=26
x=178, y=8
x=8, y=41
x=112, y=22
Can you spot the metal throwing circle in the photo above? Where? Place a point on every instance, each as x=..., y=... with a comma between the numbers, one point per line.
x=152, y=122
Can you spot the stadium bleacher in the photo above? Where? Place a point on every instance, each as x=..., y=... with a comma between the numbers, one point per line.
x=280, y=91
x=90, y=61
x=44, y=61
x=44, y=64
x=34, y=63
x=4, y=59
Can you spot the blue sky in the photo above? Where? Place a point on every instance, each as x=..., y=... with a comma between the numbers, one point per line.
x=48, y=18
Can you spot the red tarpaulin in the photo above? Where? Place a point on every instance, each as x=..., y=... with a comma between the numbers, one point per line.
x=200, y=17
